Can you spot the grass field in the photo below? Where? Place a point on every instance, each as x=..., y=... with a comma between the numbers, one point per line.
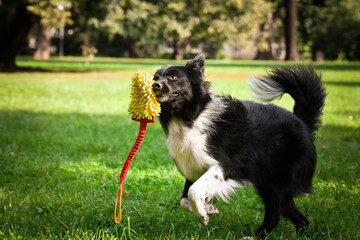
x=65, y=133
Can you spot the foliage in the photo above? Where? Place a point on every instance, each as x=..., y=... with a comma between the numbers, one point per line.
x=63, y=141
x=217, y=22
x=137, y=23
x=53, y=13
x=331, y=27
x=86, y=15
x=148, y=28
x=184, y=24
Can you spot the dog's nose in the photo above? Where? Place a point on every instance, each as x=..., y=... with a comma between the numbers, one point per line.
x=157, y=85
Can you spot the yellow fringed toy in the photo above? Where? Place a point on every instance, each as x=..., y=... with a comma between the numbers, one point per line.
x=143, y=103
x=143, y=107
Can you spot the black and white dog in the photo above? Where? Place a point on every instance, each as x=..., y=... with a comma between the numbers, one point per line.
x=219, y=143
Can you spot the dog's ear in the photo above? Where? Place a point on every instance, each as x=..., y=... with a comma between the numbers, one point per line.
x=197, y=64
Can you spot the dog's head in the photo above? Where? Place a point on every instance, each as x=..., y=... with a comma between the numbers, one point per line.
x=178, y=85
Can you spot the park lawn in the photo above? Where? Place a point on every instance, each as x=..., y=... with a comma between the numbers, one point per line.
x=64, y=136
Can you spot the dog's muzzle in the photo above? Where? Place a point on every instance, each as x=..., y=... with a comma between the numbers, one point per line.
x=163, y=92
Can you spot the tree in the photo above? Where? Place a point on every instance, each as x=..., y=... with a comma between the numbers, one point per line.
x=16, y=22
x=178, y=23
x=87, y=16
x=290, y=24
x=135, y=23
x=269, y=31
x=211, y=23
x=264, y=48
x=52, y=13
x=330, y=28
x=143, y=26
x=17, y=18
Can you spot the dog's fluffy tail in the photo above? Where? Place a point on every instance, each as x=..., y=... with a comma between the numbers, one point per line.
x=303, y=85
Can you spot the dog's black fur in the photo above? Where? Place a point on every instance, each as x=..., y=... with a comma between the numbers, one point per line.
x=264, y=144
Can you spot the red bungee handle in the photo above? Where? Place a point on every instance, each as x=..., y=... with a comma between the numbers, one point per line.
x=126, y=166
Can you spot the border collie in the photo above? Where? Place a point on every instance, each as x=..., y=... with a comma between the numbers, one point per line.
x=219, y=143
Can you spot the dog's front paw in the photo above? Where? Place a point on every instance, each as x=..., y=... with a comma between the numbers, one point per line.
x=200, y=212
x=204, y=219
x=211, y=209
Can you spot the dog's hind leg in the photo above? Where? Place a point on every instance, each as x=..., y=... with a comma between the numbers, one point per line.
x=289, y=210
x=272, y=211
x=211, y=184
x=185, y=203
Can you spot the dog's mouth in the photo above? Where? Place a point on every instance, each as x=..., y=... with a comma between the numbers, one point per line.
x=167, y=97
x=174, y=94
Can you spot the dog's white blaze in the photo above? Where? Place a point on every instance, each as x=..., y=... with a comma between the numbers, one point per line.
x=265, y=89
x=187, y=146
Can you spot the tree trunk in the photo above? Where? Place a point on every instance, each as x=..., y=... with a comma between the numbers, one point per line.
x=319, y=56
x=61, y=41
x=43, y=44
x=266, y=54
x=131, y=48
x=14, y=29
x=291, y=20
x=178, y=50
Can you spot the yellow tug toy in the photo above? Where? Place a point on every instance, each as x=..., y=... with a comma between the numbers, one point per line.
x=143, y=103
x=143, y=108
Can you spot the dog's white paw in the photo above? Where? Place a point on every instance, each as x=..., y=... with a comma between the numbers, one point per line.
x=198, y=208
x=204, y=218
x=211, y=209
x=200, y=212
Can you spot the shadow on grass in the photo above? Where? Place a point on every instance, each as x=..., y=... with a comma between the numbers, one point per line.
x=74, y=133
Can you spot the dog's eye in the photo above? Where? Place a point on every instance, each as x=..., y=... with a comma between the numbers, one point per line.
x=173, y=77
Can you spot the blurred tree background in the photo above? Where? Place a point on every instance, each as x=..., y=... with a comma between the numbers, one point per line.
x=262, y=29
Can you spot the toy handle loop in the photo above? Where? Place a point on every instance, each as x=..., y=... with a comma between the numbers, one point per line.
x=118, y=203
x=125, y=169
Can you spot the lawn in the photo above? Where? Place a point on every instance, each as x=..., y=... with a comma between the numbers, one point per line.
x=65, y=133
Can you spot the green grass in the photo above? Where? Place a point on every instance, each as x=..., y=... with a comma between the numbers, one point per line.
x=64, y=136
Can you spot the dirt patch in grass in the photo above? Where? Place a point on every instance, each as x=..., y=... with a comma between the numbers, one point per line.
x=127, y=75
x=97, y=76
x=70, y=76
x=113, y=76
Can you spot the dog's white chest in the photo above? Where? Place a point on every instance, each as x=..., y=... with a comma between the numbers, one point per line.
x=187, y=146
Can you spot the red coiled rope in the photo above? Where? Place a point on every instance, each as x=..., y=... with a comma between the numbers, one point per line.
x=126, y=166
